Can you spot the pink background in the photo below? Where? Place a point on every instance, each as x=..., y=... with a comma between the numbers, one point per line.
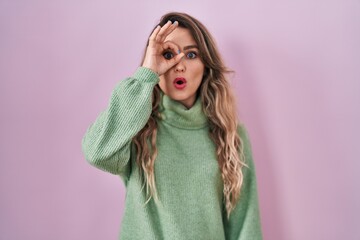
x=297, y=82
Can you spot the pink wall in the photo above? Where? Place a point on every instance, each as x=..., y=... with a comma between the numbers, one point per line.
x=298, y=88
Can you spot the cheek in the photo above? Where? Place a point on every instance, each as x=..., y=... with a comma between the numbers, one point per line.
x=198, y=71
x=162, y=83
x=198, y=75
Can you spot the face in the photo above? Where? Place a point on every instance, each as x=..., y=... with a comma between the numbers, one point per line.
x=182, y=81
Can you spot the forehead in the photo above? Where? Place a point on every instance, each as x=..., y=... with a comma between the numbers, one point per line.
x=181, y=36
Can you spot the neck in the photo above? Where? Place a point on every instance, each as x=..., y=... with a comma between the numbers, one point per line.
x=179, y=115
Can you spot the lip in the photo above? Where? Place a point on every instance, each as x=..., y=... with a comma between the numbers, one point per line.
x=179, y=86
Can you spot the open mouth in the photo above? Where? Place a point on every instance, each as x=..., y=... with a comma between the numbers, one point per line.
x=180, y=83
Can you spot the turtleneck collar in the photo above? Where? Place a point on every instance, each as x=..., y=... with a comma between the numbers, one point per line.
x=176, y=114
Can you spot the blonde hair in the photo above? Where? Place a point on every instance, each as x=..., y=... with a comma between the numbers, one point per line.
x=218, y=104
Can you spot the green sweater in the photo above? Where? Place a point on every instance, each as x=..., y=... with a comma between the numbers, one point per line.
x=187, y=176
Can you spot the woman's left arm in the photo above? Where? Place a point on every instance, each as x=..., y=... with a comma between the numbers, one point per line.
x=244, y=222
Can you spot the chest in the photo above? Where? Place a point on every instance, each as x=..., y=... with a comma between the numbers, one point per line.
x=186, y=161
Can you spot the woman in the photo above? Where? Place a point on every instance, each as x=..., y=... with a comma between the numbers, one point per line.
x=171, y=132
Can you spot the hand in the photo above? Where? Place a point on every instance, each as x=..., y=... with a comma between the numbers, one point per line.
x=154, y=58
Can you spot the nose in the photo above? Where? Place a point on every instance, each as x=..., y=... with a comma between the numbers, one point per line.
x=180, y=67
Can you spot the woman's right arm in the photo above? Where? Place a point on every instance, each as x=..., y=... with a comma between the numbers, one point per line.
x=107, y=141
x=106, y=144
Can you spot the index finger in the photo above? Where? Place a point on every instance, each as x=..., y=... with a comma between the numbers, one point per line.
x=172, y=46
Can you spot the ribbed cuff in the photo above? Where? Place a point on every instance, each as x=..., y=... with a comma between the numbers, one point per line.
x=146, y=75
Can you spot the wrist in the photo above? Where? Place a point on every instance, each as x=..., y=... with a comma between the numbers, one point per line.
x=145, y=74
x=150, y=68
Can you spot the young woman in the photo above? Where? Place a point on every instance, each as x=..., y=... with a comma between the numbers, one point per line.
x=171, y=133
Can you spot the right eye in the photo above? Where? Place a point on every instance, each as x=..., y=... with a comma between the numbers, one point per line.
x=168, y=55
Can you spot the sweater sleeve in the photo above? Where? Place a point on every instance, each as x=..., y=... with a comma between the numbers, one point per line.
x=107, y=142
x=244, y=222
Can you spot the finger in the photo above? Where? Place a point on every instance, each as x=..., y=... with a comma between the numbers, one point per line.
x=171, y=29
x=178, y=58
x=175, y=60
x=160, y=36
x=172, y=46
x=154, y=33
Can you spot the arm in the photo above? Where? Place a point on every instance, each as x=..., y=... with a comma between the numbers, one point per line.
x=244, y=222
x=106, y=144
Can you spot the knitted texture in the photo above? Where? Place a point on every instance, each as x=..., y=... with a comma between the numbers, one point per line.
x=187, y=175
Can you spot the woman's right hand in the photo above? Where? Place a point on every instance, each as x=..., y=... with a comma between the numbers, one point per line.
x=154, y=58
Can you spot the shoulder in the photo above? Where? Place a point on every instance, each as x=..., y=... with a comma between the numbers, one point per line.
x=246, y=143
x=243, y=133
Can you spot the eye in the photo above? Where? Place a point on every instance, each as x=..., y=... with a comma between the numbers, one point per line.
x=191, y=55
x=168, y=55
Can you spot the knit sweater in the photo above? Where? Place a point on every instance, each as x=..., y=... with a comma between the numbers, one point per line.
x=187, y=174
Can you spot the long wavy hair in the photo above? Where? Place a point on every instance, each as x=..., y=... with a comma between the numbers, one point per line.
x=218, y=104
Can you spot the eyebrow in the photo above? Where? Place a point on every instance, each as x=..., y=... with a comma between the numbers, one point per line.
x=190, y=46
